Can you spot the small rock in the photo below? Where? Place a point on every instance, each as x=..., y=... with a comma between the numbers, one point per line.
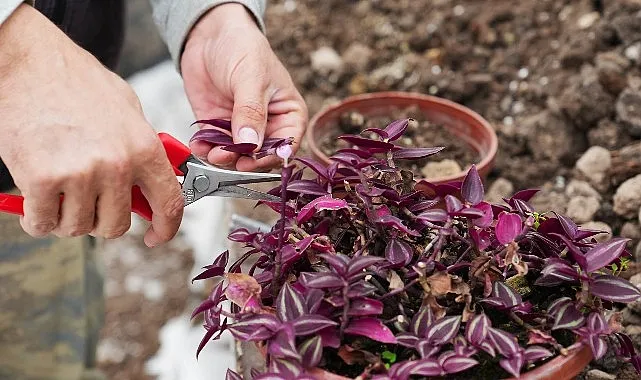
x=326, y=60
x=627, y=199
x=633, y=52
x=637, y=253
x=639, y=215
x=627, y=27
x=358, y=84
x=628, y=108
x=549, y=137
x=587, y=20
x=110, y=351
x=636, y=280
x=630, y=318
x=631, y=230
x=633, y=330
x=607, y=134
x=577, y=51
x=548, y=200
x=586, y=102
x=357, y=56
x=599, y=226
x=500, y=188
x=154, y=290
x=595, y=374
x=594, y=163
x=388, y=75
x=611, y=70
x=578, y=188
x=635, y=306
x=440, y=168
x=582, y=209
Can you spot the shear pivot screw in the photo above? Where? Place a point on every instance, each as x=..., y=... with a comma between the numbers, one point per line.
x=201, y=183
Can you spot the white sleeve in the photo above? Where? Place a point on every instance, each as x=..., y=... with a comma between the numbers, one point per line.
x=8, y=6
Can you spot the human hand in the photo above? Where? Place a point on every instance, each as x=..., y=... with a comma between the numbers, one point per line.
x=72, y=127
x=231, y=72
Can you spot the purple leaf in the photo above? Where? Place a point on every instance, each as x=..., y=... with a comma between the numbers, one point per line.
x=470, y=212
x=209, y=273
x=443, y=330
x=392, y=221
x=367, y=143
x=398, y=252
x=522, y=207
x=312, y=323
x=513, y=365
x=615, y=289
x=573, y=251
x=231, y=375
x=536, y=353
x=311, y=352
x=481, y=239
x=315, y=166
x=415, y=153
x=338, y=262
x=208, y=335
x=458, y=364
x=597, y=323
x=477, y=329
x=598, y=346
x=304, y=186
x=243, y=148
x=524, y=195
x=422, y=321
x=288, y=369
x=377, y=131
x=213, y=136
x=426, y=349
x=568, y=317
x=452, y=204
x=241, y=235
x=604, y=253
x=436, y=215
x=365, y=306
x=488, y=216
x=283, y=345
x=508, y=227
x=218, y=123
x=395, y=129
x=290, y=304
x=371, y=328
x=313, y=299
x=319, y=204
x=426, y=367
x=557, y=273
x=361, y=289
x=330, y=337
x=568, y=225
x=406, y=340
x=505, y=343
x=555, y=306
x=508, y=295
x=422, y=205
x=348, y=159
x=488, y=348
x=245, y=327
x=472, y=188
x=359, y=263
x=321, y=280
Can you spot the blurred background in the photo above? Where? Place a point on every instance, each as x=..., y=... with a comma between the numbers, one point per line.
x=559, y=80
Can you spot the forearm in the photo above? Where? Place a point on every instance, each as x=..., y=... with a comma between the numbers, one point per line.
x=176, y=18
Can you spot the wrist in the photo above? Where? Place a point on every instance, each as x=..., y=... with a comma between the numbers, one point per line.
x=221, y=18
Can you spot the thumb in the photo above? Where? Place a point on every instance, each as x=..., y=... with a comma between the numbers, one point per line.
x=249, y=115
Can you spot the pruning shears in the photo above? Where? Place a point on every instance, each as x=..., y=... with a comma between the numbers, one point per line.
x=200, y=180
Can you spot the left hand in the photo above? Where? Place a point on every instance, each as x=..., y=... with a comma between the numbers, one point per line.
x=231, y=72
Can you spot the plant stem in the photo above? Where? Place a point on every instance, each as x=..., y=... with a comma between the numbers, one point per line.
x=399, y=290
x=345, y=310
x=519, y=321
x=286, y=172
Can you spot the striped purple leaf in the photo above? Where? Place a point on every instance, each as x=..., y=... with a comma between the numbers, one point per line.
x=415, y=153
x=398, y=252
x=456, y=364
x=615, y=289
x=504, y=342
x=512, y=365
x=290, y=304
x=311, y=352
x=604, y=253
x=536, y=353
x=477, y=329
x=321, y=280
x=365, y=306
x=422, y=321
x=395, y=129
x=443, y=330
x=568, y=317
x=371, y=328
x=311, y=323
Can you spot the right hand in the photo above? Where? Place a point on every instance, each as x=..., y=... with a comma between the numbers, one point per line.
x=70, y=126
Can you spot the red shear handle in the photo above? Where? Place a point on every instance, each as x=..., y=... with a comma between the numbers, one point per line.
x=177, y=152
x=13, y=204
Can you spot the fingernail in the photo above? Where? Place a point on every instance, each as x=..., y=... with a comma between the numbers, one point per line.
x=151, y=238
x=248, y=135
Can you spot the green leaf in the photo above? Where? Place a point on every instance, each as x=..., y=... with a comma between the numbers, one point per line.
x=388, y=356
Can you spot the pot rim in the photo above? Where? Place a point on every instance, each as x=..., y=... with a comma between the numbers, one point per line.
x=479, y=122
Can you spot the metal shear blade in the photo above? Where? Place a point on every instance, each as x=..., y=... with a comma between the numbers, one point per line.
x=203, y=180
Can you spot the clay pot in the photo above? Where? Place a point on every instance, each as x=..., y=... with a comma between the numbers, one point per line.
x=462, y=122
x=560, y=368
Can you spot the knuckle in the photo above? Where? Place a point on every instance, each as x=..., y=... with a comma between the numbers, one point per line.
x=39, y=228
x=116, y=231
x=254, y=111
x=173, y=208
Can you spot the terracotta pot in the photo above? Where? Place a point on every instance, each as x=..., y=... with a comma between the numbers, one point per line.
x=560, y=368
x=462, y=122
